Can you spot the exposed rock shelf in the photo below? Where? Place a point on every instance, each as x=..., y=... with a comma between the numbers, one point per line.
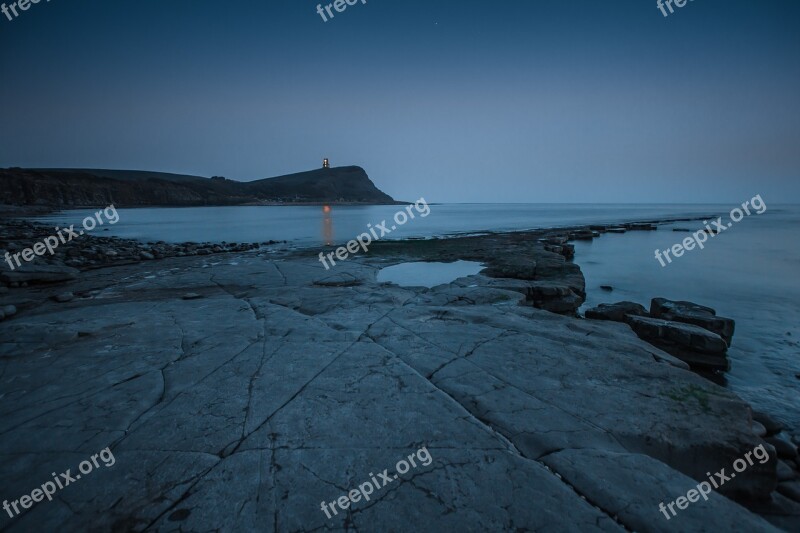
x=237, y=392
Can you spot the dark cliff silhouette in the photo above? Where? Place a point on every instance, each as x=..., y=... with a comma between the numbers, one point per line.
x=127, y=188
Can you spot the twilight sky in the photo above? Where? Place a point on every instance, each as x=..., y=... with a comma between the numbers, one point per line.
x=456, y=101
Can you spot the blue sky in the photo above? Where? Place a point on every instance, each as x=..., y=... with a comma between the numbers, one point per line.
x=459, y=101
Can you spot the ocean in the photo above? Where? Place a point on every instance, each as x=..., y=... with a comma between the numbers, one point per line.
x=749, y=272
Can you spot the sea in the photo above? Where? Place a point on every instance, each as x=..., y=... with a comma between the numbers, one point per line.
x=749, y=272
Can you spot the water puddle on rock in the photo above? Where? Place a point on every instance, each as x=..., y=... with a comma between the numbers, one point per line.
x=421, y=274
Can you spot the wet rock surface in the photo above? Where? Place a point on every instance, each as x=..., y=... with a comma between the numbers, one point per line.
x=88, y=251
x=691, y=313
x=278, y=385
x=616, y=312
x=689, y=331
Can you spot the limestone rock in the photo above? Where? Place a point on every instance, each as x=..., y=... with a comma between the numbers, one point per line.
x=680, y=334
x=39, y=274
x=554, y=297
x=772, y=426
x=641, y=227
x=693, y=344
x=784, y=449
x=340, y=279
x=785, y=472
x=615, y=312
x=609, y=480
x=790, y=489
x=691, y=313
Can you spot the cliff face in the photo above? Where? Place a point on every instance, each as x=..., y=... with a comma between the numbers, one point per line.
x=347, y=184
x=79, y=187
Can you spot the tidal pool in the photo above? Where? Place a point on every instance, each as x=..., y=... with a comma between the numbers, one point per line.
x=422, y=274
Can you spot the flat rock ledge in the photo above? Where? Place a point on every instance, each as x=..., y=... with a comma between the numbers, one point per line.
x=691, y=332
x=247, y=407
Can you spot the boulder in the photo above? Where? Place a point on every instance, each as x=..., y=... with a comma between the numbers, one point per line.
x=64, y=297
x=39, y=274
x=554, y=297
x=690, y=343
x=615, y=312
x=785, y=472
x=758, y=429
x=681, y=334
x=790, y=489
x=773, y=426
x=784, y=449
x=691, y=313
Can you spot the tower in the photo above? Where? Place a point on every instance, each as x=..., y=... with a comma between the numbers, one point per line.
x=326, y=163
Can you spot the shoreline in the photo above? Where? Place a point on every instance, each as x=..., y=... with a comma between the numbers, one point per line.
x=536, y=265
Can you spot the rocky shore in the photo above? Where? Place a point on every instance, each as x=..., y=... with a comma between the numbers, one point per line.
x=91, y=251
x=239, y=385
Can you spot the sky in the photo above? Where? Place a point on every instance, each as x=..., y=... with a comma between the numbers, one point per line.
x=454, y=101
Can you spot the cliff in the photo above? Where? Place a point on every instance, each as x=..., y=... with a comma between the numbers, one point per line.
x=92, y=187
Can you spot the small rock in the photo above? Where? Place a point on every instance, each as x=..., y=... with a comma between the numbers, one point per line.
x=758, y=429
x=773, y=426
x=64, y=297
x=191, y=296
x=785, y=472
x=9, y=310
x=146, y=255
x=790, y=489
x=607, y=288
x=785, y=449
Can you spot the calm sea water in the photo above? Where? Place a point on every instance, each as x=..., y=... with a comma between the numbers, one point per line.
x=317, y=225
x=749, y=272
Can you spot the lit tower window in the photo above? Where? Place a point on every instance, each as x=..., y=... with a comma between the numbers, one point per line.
x=326, y=163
